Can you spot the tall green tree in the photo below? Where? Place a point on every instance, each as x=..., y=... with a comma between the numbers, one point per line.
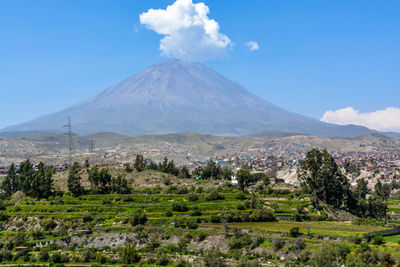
x=320, y=175
x=74, y=180
x=211, y=171
x=42, y=184
x=99, y=180
x=120, y=185
x=184, y=173
x=245, y=178
x=140, y=163
x=10, y=182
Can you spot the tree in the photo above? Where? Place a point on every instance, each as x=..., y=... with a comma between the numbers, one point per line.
x=34, y=183
x=129, y=255
x=74, y=180
x=168, y=167
x=226, y=173
x=120, y=185
x=138, y=217
x=99, y=180
x=320, y=175
x=196, y=172
x=140, y=163
x=361, y=191
x=10, y=182
x=211, y=170
x=184, y=173
x=41, y=182
x=245, y=178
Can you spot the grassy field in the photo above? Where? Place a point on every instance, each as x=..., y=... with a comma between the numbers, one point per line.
x=51, y=226
x=326, y=228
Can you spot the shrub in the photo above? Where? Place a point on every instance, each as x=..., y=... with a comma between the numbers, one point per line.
x=278, y=243
x=138, y=217
x=48, y=224
x=127, y=199
x=377, y=240
x=196, y=212
x=44, y=255
x=101, y=259
x=168, y=213
x=105, y=202
x=295, y=232
x=263, y=215
x=179, y=207
x=55, y=258
x=214, y=195
x=191, y=224
x=37, y=234
x=193, y=197
x=329, y=255
x=215, y=218
x=182, y=190
x=256, y=240
x=4, y=216
x=163, y=259
x=367, y=221
x=87, y=218
x=213, y=258
x=129, y=255
x=241, y=196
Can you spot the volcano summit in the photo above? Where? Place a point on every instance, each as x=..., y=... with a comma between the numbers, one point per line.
x=177, y=96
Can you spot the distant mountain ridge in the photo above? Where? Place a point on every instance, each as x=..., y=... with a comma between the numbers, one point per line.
x=176, y=96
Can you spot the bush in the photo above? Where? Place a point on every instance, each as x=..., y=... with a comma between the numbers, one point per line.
x=215, y=218
x=278, y=243
x=101, y=259
x=213, y=258
x=193, y=197
x=48, y=224
x=241, y=196
x=44, y=255
x=168, y=213
x=214, y=195
x=129, y=255
x=127, y=199
x=295, y=232
x=263, y=215
x=196, y=212
x=87, y=218
x=163, y=259
x=367, y=221
x=138, y=217
x=179, y=207
x=55, y=258
x=4, y=216
x=377, y=240
x=105, y=202
x=191, y=224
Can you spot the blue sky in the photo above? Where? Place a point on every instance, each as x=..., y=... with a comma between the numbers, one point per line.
x=313, y=56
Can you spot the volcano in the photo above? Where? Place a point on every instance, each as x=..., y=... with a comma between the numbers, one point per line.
x=177, y=96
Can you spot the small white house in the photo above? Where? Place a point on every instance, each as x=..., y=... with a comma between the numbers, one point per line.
x=234, y=180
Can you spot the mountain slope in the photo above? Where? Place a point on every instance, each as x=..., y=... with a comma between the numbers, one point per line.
x=177, y=96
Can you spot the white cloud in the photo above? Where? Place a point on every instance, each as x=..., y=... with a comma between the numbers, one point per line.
x=189, y=33
x=253, y=46
x=382, y=120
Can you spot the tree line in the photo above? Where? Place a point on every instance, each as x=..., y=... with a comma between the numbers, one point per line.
x=321, y=176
